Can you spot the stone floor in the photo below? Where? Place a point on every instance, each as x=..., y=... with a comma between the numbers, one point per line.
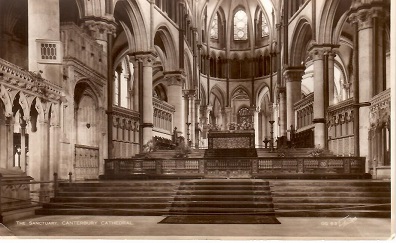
x=147, y=227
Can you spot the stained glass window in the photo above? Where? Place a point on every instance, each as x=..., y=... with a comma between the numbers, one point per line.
x=214, y=28
x=264, y=26
x=240, y=25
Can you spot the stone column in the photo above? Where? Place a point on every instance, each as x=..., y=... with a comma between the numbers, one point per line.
x=256, y=111
x=293, y=76
x=198, y=127
x=23, y=145
x=317, y=53
x=331, y=56
x=135, y=85
x=146, y=61
x=175, y=98
x=191, y=117
x=9, y=138
x=362, y=16
x=282, y=111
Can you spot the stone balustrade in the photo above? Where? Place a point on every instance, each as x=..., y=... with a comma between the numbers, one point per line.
x=236, y=167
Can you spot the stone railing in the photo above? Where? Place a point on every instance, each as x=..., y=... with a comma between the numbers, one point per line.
x=163, y=116
x=79, y=46
x=31, y=83
x=380, y=108
x=340, y=124
x=303, y=110
x=125, y=132
x=235, y=167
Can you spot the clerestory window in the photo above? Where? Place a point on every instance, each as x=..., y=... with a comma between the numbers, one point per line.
x=240, y=25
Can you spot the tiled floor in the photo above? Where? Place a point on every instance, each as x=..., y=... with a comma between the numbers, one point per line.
x=145, y=227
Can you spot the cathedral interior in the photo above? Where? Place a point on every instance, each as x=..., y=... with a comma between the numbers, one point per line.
x=104, y=90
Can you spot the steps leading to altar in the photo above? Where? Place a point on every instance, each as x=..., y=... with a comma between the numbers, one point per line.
x=285, y=198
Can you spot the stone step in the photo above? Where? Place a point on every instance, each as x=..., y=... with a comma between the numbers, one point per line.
x=333, y=206
x=120, y=184
x=224, y=204
x=114, y=212
x=211, y=210
x=116, y=194
x=343, y=217
x=223, y=198
x=223, y=187
x=330, y=194
x=118, y=205
x=238, y=182
x=223, y=192
x=366, y=200
x=329, y=189
x=114, y=200
x=345, y=183
x=117, y=189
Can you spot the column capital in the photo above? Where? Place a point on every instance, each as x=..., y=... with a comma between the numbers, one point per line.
x=317, y=52
x=100, y=27
x=189, y=93
x=363, y=14
x=294, y=74
x=174, y=78
x=147, y=58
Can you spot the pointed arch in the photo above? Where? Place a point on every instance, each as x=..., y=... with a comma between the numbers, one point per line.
x=164, y=40
x=217, y=93
x=301, y=39
x=242, y=89
x=261, y=92
x=83, y=85
x=134, y=21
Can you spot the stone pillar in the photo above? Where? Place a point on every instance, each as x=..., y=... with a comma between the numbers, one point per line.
x=23, y=145
x=198, y=127
x=331, y=56
x=175, y=98
x=146, y=63
x=191, y=114
x=282, y=111
x=256, y=126
x=293, y=76
x=135, y=85
x=317, y=53
x=363, y=15
x=9, y=138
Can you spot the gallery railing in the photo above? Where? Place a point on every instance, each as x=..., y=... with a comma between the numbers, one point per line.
x=235, y=167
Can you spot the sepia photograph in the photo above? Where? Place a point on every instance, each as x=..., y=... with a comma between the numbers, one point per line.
x=197, y=119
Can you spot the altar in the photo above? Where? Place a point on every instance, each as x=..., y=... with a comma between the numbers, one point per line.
x=234, y=143
x=234, y=139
